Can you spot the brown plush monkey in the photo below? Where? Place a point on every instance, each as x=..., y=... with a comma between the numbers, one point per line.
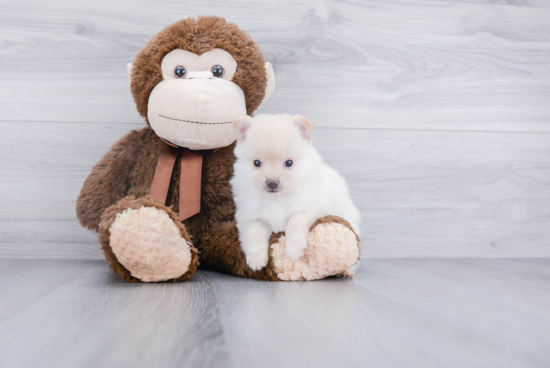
x=160, y=198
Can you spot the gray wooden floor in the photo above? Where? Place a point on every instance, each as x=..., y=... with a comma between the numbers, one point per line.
x=394, y=313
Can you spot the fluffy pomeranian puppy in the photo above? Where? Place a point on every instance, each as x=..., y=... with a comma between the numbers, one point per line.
x=280, y=183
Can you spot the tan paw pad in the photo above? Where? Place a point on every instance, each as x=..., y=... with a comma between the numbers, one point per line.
x=149, y=245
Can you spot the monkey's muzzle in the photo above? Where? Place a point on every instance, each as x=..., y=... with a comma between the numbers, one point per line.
x=196, y=113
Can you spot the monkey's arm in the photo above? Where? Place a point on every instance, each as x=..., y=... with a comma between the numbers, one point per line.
x=109, y=180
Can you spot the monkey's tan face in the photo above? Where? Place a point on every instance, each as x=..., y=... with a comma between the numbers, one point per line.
x=195, y=104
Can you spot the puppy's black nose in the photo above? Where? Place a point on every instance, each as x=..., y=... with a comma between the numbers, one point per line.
x=272, y=184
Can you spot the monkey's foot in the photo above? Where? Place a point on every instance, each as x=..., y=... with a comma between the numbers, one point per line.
x=145, y=242
x=149, y=245
x=332, y=250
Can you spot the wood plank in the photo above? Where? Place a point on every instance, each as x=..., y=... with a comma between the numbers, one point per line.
x=479, y=292
x=100, y=320
x=442, y=194
x=376, y=64
x=25, y=282
x=48, y=239
x=359, y=323
x=421, y=193
x=395, y=313
x=523, y=3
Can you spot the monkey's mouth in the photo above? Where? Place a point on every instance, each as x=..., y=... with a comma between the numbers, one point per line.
x=193, y=133
x=195, y=122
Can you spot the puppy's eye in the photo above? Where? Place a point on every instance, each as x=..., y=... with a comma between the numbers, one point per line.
x=288, y=163
x=218, y=71
x=257, y=163
x=180, y=71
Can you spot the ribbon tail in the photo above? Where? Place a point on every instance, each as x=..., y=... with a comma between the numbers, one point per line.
x=163, y=173
x=190, y=183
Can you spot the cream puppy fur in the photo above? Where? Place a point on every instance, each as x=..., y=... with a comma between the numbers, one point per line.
x=280, y=183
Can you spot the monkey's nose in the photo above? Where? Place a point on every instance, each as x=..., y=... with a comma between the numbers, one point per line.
x=272, y=184
x=200, y=75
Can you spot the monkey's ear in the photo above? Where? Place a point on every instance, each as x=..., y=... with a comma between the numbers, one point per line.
x=303, y=125
x=129, y=70
x=241, y=126
x=270, y=81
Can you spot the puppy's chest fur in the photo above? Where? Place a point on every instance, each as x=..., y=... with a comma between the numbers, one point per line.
x=275, y=210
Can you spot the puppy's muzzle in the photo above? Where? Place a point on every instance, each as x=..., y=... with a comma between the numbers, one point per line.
x=272, y=185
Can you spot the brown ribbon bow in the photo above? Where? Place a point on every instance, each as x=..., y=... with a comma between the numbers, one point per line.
x=190, y=178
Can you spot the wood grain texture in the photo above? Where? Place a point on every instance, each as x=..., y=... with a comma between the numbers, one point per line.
x=431, y=109
x=523, y=3
x=102, y=321
x=421, y=193
x=378, y=64
x=23, y=284
x=394, y=313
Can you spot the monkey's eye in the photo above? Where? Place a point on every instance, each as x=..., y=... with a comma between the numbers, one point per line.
x=180, y=71
x=257, y=163
x=288, y=163
x=218, y=71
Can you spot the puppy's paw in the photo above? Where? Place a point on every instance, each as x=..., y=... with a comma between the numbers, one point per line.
x=296, y=244
x=257, y=260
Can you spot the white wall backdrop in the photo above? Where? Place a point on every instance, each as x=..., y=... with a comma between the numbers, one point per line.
x=437, y=112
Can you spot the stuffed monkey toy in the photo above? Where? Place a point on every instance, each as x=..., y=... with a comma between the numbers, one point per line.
x=160, y=198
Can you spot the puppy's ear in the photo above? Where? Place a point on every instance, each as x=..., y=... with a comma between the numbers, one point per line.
x=241, y=126
x=303, y=125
